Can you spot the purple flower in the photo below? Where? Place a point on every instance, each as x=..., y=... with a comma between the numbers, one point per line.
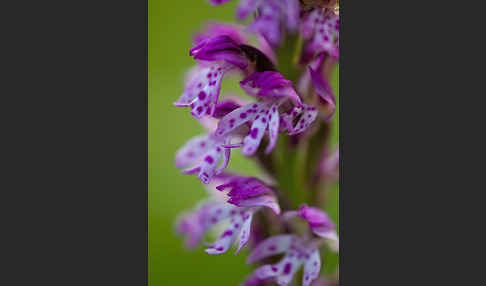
x=321, y=28
x=273, y=90
x=297, y=252
x=194, y=225
x=271, y=17
x=203, y=153
x=247, y=196
x=319, y=223
x=217, y=56
x=249, y=191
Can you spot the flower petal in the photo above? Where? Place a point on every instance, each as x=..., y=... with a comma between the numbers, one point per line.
x=209, y=164
x=229, y=235
x=253, y=139
x=271, y=246
x=245, y=230
x=308, y=116
x=237, y=118
x=220, y=48
x=273, y=128
x=312, y=268
x=266, y=201
x=194, y=224
x=323, y=89
x=193, y=150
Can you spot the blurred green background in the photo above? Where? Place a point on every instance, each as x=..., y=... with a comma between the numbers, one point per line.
x=170, y=26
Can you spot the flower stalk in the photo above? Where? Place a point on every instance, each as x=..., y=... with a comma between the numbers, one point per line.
x=278, y=216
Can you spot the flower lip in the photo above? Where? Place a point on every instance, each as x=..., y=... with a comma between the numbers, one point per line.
x=221, y=47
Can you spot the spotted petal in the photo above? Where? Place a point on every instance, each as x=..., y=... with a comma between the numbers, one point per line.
x=253, y=139
x=312, y=268
x=271, y=246
x=273, y=128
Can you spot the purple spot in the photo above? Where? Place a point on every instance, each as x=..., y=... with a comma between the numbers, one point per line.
x=214, y=220
x=272, y=248
x=227, y=233
x=255, y=105
x=258, y=116
x=199, y=109
x=190, y=154
x=232, y=212
x=219, y=249
x=237, y=225
x=209, y=159
x=254, y=133
x=202, y=95
x=287, y=268
x=218, y=149
x=274, y=269
x=243, y=115
x=264, y=119
x=202, y=144
x=209, y=75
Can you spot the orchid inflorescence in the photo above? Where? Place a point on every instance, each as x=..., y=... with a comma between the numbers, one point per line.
x=284, y=58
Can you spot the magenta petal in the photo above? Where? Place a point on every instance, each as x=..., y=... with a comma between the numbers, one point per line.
x=218, y=48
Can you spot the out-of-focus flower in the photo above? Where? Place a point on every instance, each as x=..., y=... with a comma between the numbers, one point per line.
x=203, y=153
x=329, y=165
x=271, y=17
x=321, y=29
x=247, y=196
x=319, y=223
x=297, y=252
